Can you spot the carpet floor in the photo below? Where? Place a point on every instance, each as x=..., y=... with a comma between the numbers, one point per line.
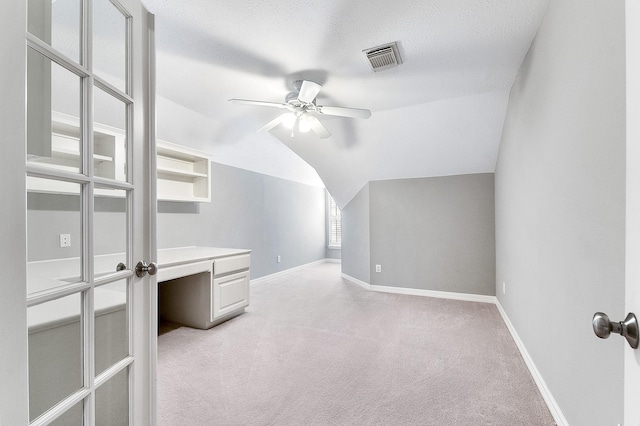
x=314, y=349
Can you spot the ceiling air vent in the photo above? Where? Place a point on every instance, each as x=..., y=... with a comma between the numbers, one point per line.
x=383, y=57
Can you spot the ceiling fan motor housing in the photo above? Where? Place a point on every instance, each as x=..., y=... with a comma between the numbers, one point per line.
x=292, y=98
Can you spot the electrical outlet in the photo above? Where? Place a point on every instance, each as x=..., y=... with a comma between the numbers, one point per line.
x=504, y=288
x=378, y=268
x=278, y=258
x=65, y=240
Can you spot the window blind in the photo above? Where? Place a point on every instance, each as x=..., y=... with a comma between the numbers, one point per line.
x=335, y=223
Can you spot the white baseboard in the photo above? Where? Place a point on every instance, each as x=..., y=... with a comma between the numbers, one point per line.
x=554, y=408
x=419, y=292
x=331, y=260
x=290, y=270
x=356, y=281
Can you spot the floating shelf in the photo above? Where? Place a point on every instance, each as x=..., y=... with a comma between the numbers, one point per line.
x=184, y=174
x=71, y=154
x=61, y=151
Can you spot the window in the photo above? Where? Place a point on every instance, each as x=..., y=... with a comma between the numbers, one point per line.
x=335, y=224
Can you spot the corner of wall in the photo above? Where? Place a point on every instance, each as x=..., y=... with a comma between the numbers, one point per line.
x=356, y=247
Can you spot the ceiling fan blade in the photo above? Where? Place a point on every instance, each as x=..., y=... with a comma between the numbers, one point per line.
x=273, y=123
x=258, y=103
x=317, y=127
x=308, y=91
x=344, y=112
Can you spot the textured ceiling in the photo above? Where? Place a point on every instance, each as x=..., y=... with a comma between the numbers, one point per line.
x=439, y=113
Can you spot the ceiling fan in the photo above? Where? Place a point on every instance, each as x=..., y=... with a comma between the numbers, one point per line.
x=302, y=107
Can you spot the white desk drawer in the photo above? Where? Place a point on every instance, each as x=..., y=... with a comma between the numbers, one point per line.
x=231, y=264
x=179, y=271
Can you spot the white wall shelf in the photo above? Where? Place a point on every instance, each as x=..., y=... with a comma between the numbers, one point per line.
x=62, y=151
x=184, y=174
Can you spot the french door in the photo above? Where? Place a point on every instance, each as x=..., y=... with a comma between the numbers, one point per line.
x=84, y=338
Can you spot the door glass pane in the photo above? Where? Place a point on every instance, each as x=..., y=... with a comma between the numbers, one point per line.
x=54, y=233
x=110, y=230
x=112, y=401
x=109, y=136
x=53, y=110
x=72, y=417
x=55, y=352
x=57, y=22
x=111, y=325
x=110, y=43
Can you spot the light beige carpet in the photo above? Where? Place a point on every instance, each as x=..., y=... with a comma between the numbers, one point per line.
x=313, y=349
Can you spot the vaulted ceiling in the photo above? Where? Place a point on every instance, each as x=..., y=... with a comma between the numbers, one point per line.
x=439, y=113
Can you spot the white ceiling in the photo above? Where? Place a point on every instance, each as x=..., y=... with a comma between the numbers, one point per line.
x=439, y=113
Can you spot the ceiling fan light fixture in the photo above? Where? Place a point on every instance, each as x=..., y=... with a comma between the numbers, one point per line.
x=289, y=120
x=303, y=125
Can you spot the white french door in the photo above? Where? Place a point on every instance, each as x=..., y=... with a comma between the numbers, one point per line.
x=82, y=349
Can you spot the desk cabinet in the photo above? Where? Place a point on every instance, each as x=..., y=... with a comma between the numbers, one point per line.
x=203, y=300
x=229, y=293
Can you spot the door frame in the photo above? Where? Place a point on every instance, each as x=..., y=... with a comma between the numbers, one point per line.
x=632, y=243
x=13, y=244
x=151, y=344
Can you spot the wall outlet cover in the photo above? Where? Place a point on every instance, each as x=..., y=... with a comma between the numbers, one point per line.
x=378, y=268
x=65, y=240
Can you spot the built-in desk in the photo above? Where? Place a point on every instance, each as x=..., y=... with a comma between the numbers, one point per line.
x=202, y=286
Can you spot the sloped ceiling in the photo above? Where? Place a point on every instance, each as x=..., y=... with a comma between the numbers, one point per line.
x=439, y=113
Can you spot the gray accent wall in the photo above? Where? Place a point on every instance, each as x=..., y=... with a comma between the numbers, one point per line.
x=271, y=216
x=560, y=206
x=434, y=233
x=355, y=237
x=428, y=234
x=50, y=215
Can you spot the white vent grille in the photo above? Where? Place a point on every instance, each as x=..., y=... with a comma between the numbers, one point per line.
x=383, y=57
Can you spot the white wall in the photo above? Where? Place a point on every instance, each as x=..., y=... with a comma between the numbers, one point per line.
x=560, y=205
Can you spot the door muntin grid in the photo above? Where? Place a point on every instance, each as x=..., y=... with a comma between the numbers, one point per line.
x=68, y=170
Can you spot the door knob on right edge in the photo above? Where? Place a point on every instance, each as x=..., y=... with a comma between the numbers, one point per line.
x=628, y=328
